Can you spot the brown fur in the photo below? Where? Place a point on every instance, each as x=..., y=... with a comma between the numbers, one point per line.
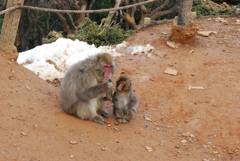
x=125, y=101
x=83, y=86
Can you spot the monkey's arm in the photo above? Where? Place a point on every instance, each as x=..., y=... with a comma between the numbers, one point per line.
x=94, y=91
x=108, y=95
x=133, y=104
x=115, y=101
x=132, y=107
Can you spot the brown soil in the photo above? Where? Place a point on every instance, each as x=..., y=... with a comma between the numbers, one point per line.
x=184, y=35
x=177, y=123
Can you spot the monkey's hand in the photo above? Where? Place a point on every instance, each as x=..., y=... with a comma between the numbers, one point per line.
x=130, y=114
x=109, y=84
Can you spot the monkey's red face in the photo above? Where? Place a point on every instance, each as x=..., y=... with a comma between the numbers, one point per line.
x=120, y=85
x=107, y=72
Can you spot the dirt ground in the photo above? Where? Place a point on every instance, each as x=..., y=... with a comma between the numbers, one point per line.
x=172, y=122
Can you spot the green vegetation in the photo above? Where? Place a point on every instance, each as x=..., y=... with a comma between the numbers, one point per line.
x=52, y=36
x=103, y=4
x=207, y=7
x=90, y=32
x=1, y=22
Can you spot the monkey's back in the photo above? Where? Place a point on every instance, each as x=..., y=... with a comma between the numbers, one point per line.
x=77, y=78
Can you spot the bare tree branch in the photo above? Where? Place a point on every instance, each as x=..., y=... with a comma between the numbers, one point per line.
x=159, y=14
x=112, y=13
x=158, y=9
x=64, y=22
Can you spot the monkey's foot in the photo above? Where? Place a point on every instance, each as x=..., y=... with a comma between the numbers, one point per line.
x=98, y=119
x=124, y=121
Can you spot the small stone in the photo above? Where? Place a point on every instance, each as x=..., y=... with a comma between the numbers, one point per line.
x=205, y=146
x=71, y=156
x=24, y=133
x=103, y=149
x=237, y=22
x=171, y=71
x=219, y=19
x=177, y=146
x=190, y=140
x=230, y=152
x=186, y=134
x=184, y=141
x=192, y=136
x=28, y=88
x=205, y=160
x=73, y=142
x=147, y=117
x=149, y=149
x=172, y=44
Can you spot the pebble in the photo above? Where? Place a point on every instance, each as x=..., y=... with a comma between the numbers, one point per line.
x=184, y=141
x=103, y=149
x=192, y=136
x=230, y=152
x=186, y=134
x=205, y=146
x=73, y=142
x=205, y=160
x=24, y=133
x=149, y=149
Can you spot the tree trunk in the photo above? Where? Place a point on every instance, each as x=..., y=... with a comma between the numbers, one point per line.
x=84, y=5
x=183, y=31
x=129, y=15
x=64, y=22
x=10, y=27
x=184, y=14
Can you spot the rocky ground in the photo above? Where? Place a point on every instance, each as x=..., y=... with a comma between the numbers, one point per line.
x=173, y=121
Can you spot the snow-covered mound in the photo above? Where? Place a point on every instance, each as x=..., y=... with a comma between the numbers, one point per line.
x=50, y=61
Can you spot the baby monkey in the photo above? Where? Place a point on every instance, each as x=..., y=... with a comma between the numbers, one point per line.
x=124, y=100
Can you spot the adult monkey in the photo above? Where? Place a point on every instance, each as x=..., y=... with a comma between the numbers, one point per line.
x=83, y=86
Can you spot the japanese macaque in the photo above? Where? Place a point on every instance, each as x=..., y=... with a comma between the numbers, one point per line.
x=124, y=100
x=84, y=85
